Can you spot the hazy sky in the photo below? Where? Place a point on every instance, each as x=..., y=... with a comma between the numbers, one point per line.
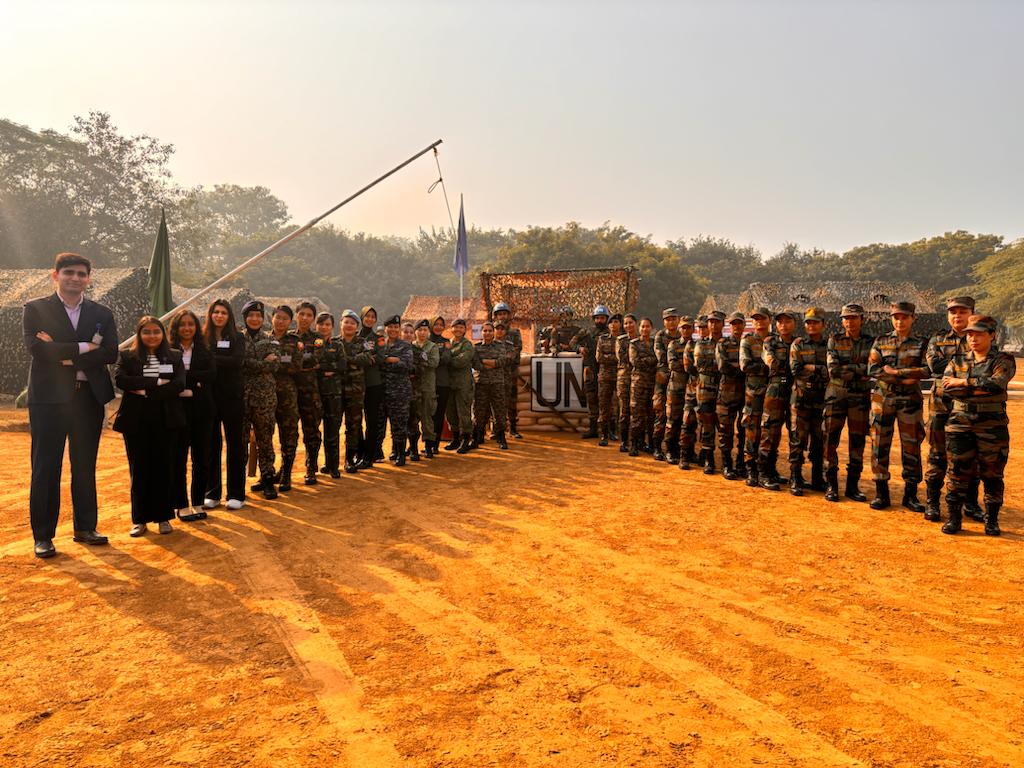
x=826, y=123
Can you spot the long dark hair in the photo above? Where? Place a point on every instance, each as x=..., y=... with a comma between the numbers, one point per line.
x=163, y=352
x=175, y=341
x=210, y=330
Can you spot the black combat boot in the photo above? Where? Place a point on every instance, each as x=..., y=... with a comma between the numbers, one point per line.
x=956, y=518
x=414, y=449
x=769, y=478
x=741, y=466
x=709, y=461
x=513, y=425
x=284, y=482
x=477, y=439
x=604, y=437
x=624, y=444
x=796, y=480
x=727, y=470
x=400, y=452
x=310, y=478
x=684, y=459
x=454, y=443
x=351, y=460
x=394, y=452
x=267, y=486
x=971, y=507
x=635, y=449
x=992, y=520
x=465, y=446
x=853, y=485
x=258, y=485
x=499, y=438
x=881, y=500
x=933, y=496
x=591, y=430
x=817, y=476
x=613, y=432
x=428, y=448
x=910, y=500
x=672, y=450
x=659, y=453
x=752, y=476
x=832, y=484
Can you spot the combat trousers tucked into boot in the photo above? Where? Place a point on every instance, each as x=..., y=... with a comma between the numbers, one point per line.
x=971, y=507
x=956, y=518
x=284, y=483
x=466, y=445
x=709, y=457
x=933, y=496
x=591, y=431
x=992, y=520
x=624, y=445
x=637, y=445
x=454, y=443
x=400, y=452
x=727, y=471
x=267, y=486
x=881, y=500
x=832, y=484
x=817, y=474
x=853, y=485
x=910, y=500
x=769, y=477
x=351, y=460
x=796, y=480
x=499, y=438
x=752, y=474
x=414, y=449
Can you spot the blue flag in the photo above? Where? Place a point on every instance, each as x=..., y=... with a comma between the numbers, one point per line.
x=461, y=262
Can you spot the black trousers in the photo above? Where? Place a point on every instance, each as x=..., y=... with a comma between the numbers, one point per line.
x=79, y=424
x=150, y=459
x=194, y=438
x=439, y=412
x=227, y=414
x=374, y=423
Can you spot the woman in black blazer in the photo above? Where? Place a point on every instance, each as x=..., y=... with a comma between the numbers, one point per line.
x=228, y=349
x=197, y=401
x=151, y=375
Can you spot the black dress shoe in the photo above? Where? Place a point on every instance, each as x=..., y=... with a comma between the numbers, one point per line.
x=44, y=548
x=89, y=537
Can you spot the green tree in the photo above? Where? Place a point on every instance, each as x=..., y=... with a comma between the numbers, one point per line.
x=727, y=267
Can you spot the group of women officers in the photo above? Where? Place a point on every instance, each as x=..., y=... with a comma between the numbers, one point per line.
x=201, y=388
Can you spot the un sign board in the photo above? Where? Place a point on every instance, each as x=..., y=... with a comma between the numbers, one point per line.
x=557, y=384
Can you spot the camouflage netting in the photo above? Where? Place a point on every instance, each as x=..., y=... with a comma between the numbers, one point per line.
x=536, y=297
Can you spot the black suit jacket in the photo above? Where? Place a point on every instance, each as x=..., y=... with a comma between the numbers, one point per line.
x=128, y=376
x=49, y=381
x=200, y=376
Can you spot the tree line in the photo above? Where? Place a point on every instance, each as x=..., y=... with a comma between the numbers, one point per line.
x=98, y=191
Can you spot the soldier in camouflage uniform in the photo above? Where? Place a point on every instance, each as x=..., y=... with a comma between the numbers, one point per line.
x=623, y=375
x=558, y=336
x=585, y=344
x=374, y=417
x=424, y=394
x=897, y=363
x=708, y=379
x=310, y=405
x=730, y=397
x=503, y=315
x=643, y=363
x=397, y=363
x=460, y=398
x=808, y=360
x=287, y=412
x=755, y=384
x=670, y=319
x=942, y=348
x=259, y=393
x=691, y=423
x=675, y=392
x=511, y=367
x=489, y=397
x=847, y=401
x=328, y=377
x=359, y=353
x=607, y=368
x=977, y=431
x=775, y=353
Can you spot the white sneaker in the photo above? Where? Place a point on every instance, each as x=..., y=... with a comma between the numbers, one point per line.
x=138, y=529
x=235, y=504
x=210, y=503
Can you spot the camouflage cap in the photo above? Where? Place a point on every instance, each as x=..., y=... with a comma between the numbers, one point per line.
x=762, y=312
x=902, y=308
x=458, y=321
x=252, y=306
x=616, y=316
x=852, y=310
x=350, y=313
x=785, y=313
x=685, y=321
x=982, y=324
x=717, y=315
x=815, y=313
x=702, y=320
x=960, y=301
x=737, y=317
x=669, y=312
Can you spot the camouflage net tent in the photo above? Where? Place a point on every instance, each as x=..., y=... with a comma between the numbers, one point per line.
x=536, y=297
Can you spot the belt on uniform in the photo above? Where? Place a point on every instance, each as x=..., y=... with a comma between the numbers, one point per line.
x=962, y=407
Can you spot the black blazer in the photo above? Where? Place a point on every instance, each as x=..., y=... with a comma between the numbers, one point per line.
x=128, y=377
x=49, y=381
x=229, y=360
x=200, y=376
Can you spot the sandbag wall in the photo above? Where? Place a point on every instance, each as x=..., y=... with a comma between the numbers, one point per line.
x=542, y=421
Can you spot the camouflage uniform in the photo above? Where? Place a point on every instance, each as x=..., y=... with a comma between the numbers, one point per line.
x=847, y=401
x=660, y=400
x=260, y=396
x=287, y=412
x=675, y=393
x=356, y=357
x=556, y=338
x=623, y=374
x=977, y=432
x=808, y=405
x=607, y=371
x=708, y=381
x=310, y=405
x=755, y=384
x=514, y=338
x=690, y=421
x=489, y=397
x=397, y=389
x=460, y=400
x=777, y=396
x=424, y=396
x=730, y=400
x=585, y=344
x=644, y=365
x=329, y=376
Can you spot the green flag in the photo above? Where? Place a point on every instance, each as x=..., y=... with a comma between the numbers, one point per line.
x=160, y=272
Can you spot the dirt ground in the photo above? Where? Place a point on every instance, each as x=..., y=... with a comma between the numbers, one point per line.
x=554, y=605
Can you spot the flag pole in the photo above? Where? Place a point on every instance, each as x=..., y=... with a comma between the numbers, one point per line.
x=287, y=238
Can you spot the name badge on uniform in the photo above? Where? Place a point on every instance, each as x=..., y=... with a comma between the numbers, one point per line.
x=166, y=368
x=286, y=358
x=224, y=344
x=368, y=345
x=306, y=355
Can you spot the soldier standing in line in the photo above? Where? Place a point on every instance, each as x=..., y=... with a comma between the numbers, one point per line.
x=555, y=338
x=585, y=344
x=425, y=393
x=776, y=399
x=328, y=377
x=460, y=397
x=374, y=417
x=730, y=397
x=808, y=360
x=623, y=375
x=489, y=398
x=607, y=367
x=407, y=333
x=690, y=420
x=847, y=401
x=307, y=391
x=675, y=392
x=287, y=412
x=942, y=348
x=437, y=337
x=503, y=315
x=977, y=431
x=359, y=353
x=755, y=384
x=511, y=367
x=708, y=380
x=643, y=363
x=670, y=319
x=897, y=363
x=260, y=393
x=396, y=360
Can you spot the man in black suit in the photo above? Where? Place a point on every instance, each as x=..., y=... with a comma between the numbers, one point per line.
x=72, y=340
